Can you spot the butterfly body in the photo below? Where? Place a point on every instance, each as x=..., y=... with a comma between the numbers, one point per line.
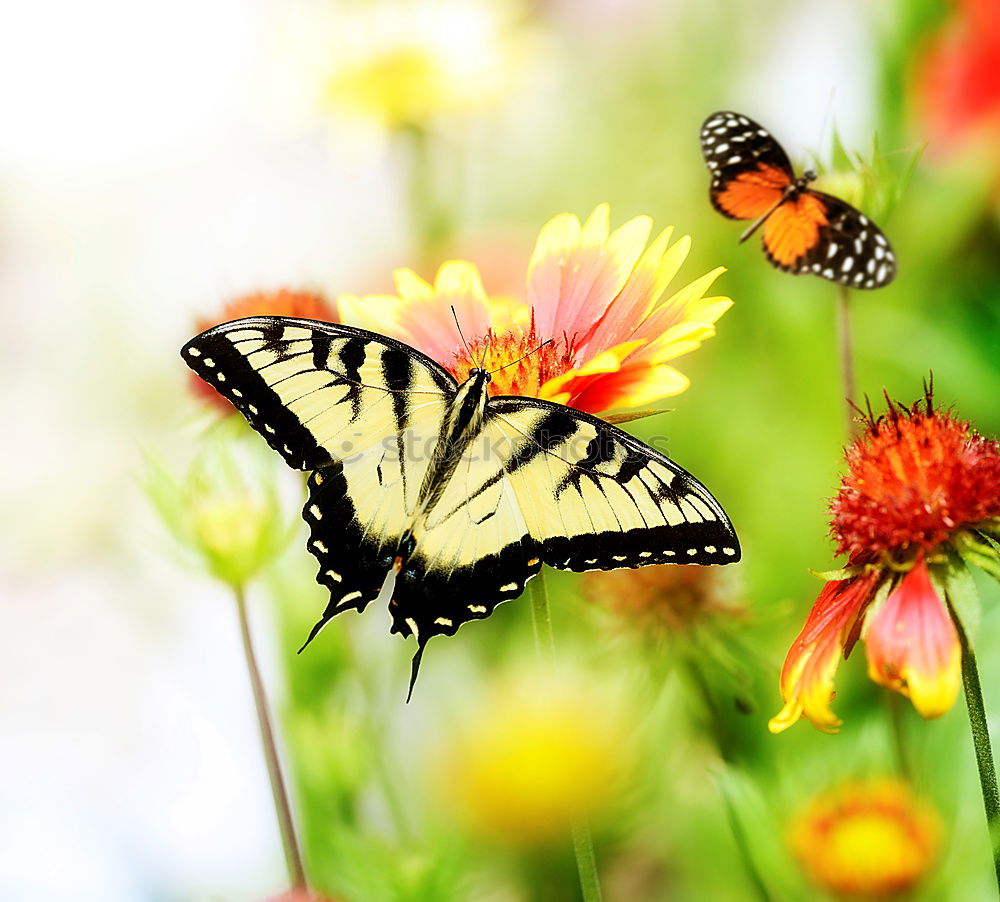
x=439, y=497
x=803, y=230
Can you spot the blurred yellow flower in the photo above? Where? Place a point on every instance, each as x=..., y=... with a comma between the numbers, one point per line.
x=867, y=839
x=532, y=761
x=402, y=63
x=231, y=520
x=595, y=297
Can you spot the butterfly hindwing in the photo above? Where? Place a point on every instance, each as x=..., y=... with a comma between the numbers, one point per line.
x=750, y=170
x=844, y=245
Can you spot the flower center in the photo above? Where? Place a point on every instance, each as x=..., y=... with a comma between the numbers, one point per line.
x=521, y=364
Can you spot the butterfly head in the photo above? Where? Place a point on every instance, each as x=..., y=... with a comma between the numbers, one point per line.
x=481, y=374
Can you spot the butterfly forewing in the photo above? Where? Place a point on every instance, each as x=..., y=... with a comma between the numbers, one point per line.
x=546, y=484
x=750, y=170
x=315, y=391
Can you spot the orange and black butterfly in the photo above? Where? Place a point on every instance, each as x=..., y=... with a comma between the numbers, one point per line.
x=804, y=231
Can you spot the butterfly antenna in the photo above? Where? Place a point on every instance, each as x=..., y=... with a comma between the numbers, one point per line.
x=547, y=341
x=486, y=349
x=465, y=344
x=414, y=670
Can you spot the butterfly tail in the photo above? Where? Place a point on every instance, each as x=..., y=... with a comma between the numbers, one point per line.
x=415, y=669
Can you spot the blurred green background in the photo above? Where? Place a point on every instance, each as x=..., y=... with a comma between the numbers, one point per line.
x=155, y=164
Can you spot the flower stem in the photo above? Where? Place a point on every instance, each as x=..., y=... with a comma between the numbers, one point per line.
x=583, y=843
x=896, y=705
x=981, y=743
x=846, y=347
x=724, y=744
x=286, y=826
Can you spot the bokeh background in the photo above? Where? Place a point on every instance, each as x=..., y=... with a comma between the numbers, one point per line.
x=159, y=160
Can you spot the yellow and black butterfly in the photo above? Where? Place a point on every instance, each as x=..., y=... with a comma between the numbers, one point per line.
x=436, y=498
x=804, y=231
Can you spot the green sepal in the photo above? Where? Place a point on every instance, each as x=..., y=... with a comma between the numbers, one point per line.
x=953, y=582
x=842, y=573
x=975, y=553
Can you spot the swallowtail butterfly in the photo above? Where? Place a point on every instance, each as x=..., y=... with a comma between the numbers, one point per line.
x=437, y=498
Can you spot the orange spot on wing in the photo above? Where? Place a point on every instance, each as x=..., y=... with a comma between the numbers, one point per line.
x=792, y=230
x=753, y=193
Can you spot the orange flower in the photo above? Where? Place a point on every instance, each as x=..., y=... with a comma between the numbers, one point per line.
x=866, y=839
x=922, y=489
x=594, y=333
x=284, y=302
x=667, y=597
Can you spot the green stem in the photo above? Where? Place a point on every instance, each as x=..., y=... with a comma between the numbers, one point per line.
x=897, y=713
x=846, y=348
x=583, y=843
x=724, y=744
x=393, y=801
x=743, y=846
x=286, y=825
x=981, y=743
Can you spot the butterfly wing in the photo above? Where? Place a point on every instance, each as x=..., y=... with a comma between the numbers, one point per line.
x=821, y=234
x=750, y=170
x=360, y=409
x=543, y=483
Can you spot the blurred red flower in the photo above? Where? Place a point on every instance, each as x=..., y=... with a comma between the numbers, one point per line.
x=283, y=302
x=958, y=76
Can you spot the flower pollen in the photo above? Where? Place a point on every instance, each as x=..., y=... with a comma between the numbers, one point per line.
x=521, y=362
x=915, y=477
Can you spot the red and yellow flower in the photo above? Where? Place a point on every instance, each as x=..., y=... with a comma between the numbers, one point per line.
x=594, y=331
x=868, y=839
x=920, y=500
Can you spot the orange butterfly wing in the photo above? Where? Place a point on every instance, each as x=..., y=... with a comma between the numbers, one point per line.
x=793, y=230
x=751, y=193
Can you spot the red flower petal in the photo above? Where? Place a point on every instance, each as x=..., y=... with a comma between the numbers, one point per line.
x=913, y=645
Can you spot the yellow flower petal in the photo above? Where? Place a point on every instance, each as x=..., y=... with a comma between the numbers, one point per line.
x=410, y=286
x=377, y=313
x=662, y=382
